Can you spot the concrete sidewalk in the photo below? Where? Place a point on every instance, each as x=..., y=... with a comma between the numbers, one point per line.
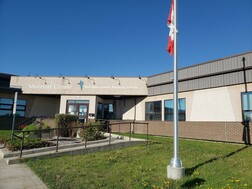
x=18, y=176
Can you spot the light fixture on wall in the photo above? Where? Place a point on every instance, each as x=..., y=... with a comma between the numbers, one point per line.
x=63, y=77
x=143, y=80
x=119, y=83
x=37, y=76
x=244, y=74
x=86, y=76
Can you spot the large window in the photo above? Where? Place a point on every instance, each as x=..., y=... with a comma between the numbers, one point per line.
x=106, y=111
x=247, y=106
x=109, y=112
x=181, y=110
x=6, y=107
x=153, y=110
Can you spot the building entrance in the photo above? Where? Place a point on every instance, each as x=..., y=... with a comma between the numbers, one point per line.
x=105, y=111
x=78, y=107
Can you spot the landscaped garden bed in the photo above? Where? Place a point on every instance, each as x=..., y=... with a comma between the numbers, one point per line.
x=29, y=143
x=37, y=135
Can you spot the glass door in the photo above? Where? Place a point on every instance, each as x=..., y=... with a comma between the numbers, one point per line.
x=71, y=109
x=79, y=108
x=109, y=111
x=83, y=112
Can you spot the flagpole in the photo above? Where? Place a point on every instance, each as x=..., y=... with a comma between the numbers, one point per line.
x=175, y=162
x=175, y=170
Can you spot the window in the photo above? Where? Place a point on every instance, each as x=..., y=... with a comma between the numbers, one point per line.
x=77, y=101
x=72, y=109
x=181, y=110
x=153, y=110
x=21, y=107
x=109, y=111
x=247, y=106
x=99, y=111
x=106, y=111
x=6, y=107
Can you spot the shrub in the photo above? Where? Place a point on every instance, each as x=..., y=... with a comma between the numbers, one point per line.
x=93, y=131
x=30, y=139
x=46, y=127
x=65, y=122
x=29, y=143
x=33, y=130
x=29, y=128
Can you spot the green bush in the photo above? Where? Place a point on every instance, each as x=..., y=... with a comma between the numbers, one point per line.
x=29, y=143
x=29, y=129
x=46, y=128
x=33, y=129
x=93, y=131
x=31, y=139
x=65, y=122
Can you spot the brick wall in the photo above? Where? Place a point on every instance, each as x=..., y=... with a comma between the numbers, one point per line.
x=215, y=131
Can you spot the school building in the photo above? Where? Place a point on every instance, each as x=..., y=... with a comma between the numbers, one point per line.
x=212, y=95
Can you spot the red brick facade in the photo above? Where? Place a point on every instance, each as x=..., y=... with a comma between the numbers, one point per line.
x=215, y=131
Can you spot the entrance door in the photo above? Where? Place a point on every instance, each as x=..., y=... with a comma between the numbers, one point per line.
x=109, y=111
x=78, y=107
x=83, y=112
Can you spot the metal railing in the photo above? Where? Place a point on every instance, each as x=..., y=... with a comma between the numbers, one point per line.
x=106, y=126
x=21, y=135
x=30, y=120
x=131, y=127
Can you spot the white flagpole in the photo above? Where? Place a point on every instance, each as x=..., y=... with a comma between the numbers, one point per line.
x=14, y=115
x=175, y=169
x=175, y=162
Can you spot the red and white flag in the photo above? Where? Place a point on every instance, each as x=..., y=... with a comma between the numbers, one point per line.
x=170, y=24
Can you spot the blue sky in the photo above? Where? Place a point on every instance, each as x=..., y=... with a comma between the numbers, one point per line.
x=119, y=37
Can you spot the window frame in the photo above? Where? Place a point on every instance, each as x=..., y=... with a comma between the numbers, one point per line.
x=152, y=114
x=248, y=112
x=20, y=107
x=76, y=104
x=181, y=110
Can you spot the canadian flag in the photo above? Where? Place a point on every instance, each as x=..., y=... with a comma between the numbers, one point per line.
x=170, y=24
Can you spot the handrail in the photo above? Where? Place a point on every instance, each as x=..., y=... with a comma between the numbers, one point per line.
x=85, y=126
x=26, y=121
x=46, y=130
x=31, y=120
x=132, y=122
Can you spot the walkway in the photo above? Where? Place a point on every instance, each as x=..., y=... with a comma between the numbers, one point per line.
x=19, y=176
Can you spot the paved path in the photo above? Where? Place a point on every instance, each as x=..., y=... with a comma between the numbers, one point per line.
x=18, y=176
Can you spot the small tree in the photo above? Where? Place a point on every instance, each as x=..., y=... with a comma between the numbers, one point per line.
x=65, y=122
x=92, y=131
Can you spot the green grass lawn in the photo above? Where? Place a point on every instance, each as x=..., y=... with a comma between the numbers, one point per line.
x=5, y=135
x=208, y=165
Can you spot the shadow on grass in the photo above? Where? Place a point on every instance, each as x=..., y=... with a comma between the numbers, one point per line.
x=189, y=171
x=193, y=183
x=246, y=133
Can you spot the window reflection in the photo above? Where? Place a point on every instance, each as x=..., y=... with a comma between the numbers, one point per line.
x=181, y=110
